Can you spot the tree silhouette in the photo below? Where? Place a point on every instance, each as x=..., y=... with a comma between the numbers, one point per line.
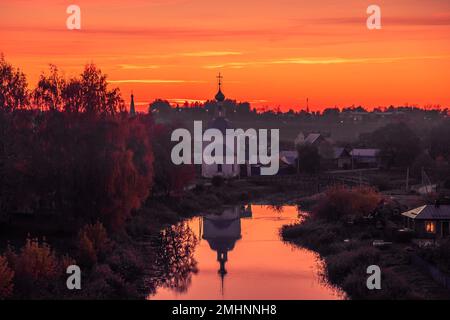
x=13, y=87
x=88, y=93
x=72, y=95
x=399, y=144
x=175, y=257
x=308, y=158
x=48, y=93
x=93, y=94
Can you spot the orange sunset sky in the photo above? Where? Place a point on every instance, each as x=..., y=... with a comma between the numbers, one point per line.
x=271, y=52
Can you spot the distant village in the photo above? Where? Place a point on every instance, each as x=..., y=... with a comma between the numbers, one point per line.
x=401, y=149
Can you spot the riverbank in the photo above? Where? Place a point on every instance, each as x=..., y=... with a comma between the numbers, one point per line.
x=347, y=250
x=125, y=268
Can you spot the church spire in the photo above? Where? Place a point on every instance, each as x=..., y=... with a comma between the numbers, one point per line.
x=220, y=97
x=132, y=108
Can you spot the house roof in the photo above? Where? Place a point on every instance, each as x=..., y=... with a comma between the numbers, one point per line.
x=364, y=152
x=312, y=138
x=429, y=212
x=336, y=153
x=339, y=152
x=288, y=157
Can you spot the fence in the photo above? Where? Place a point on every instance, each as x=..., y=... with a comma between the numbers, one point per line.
x=438, y=276
x=311, y=183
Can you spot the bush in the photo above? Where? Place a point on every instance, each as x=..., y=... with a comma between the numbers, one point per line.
x=341, y=203
x=447, y=184
x=104, y=283
x=93, y=244
x=342, y=264
x=37, y=269
x=127, y=262
x=199, y=188
x=381, y=182
x=393, y=287
x=217, y=181
x=6, y=279
x=308, y=158
x=439, y=255
x=35, y=261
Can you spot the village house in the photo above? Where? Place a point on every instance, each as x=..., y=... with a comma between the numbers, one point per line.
x=429, y=221
x=338, y=158
x=365, y=158
x=288, y=162
x=333, y=157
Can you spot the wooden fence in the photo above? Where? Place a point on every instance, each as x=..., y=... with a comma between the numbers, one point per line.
x=438, y=276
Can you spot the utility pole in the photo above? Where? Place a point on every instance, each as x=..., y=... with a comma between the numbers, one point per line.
x=407, y=179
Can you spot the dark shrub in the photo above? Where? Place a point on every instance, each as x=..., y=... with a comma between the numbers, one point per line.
x=341, y=203
x=199, y=188
x=447, y=184
x=217, y=181
x=342, y=264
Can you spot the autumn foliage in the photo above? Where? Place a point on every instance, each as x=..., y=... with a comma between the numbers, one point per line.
x=343, y=202
x=70, y=150
x=36, y=267
x=84, y=167
x=6, y=279
x=93, y=243
x=169, y=179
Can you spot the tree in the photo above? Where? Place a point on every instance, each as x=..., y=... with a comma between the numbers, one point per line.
x=48, y=93
x=95, y=96
x=439, y=140
x=398, y=144
x=341, y=203
x=331, y=113
x=168, y=177
x=88, y=93
x=160, y=106
x=72, y=96
x=308, y=158
x=13, y=87
x=6, y=279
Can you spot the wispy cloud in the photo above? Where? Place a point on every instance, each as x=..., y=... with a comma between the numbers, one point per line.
x=183, y=100
x=322, y=61
x=134, y=66
x=211, y=53
x=442, y=19
x=154, y=81
x=232, y=65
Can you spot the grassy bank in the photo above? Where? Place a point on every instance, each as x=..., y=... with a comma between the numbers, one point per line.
x=125, y=264
x=346, y=246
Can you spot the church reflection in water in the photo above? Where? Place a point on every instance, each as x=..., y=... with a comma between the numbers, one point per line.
x=222, y=232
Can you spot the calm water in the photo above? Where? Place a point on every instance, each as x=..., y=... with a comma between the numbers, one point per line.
x=238, y=255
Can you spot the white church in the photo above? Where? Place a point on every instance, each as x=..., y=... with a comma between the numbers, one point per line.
x=221, y=123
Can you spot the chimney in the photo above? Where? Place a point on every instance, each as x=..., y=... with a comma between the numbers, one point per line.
x=437, y=204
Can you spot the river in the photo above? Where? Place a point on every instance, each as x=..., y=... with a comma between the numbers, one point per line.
x=238, y=254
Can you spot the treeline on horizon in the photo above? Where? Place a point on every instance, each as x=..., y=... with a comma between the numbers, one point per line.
x=165, y=107
x=89, y=93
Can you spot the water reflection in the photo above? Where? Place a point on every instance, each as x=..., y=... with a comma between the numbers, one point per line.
x=238, y=254
x=222, y=231
x=175, y=258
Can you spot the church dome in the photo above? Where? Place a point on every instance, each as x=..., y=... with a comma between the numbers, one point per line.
x=220, y=97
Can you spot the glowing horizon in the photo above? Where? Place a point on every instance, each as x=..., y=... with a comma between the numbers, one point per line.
x=271, y=53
